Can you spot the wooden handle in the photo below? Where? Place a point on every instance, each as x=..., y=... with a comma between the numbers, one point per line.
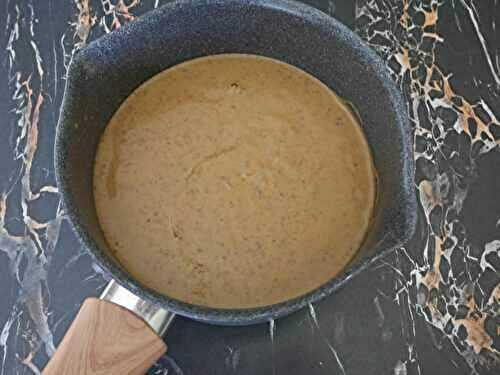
x=106, y=339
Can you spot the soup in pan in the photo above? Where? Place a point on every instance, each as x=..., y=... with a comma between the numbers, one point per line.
x=234, y=181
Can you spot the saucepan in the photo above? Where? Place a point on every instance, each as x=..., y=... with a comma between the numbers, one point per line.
x=121, y=332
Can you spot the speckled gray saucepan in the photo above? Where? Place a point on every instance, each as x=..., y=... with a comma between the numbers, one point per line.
x=104, y=73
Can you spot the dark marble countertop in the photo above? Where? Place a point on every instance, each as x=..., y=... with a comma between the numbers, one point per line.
x=432, y=307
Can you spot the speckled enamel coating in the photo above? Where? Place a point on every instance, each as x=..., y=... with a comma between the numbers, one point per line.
x=103, y=74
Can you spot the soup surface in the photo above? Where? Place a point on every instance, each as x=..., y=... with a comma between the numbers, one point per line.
x=233, y=181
